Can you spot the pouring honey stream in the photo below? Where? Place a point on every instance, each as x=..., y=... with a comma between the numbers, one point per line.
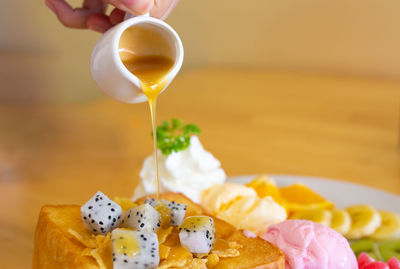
x=152, y=70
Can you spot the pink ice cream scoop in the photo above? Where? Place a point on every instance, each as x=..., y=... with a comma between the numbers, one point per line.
x=308, y=245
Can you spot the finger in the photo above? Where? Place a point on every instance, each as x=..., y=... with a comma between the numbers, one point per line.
x=137, y=7
x=50, y=5
x=75, y=18
x=163, y=7
x=95, y=6
x=117, y=16
x=99, y=23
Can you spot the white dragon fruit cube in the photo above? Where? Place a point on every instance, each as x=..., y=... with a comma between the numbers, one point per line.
x=134, y=249
x=162, y=209
x=177, y=210
x=142, y=218
x=197, y=233
x=100, y=214
x=151, y=201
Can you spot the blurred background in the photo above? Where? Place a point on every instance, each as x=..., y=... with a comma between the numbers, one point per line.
x=42, y=61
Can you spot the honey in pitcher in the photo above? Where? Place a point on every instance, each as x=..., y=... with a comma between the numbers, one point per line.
x=152, y=71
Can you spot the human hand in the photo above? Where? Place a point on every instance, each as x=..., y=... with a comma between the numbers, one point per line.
x=92, y=13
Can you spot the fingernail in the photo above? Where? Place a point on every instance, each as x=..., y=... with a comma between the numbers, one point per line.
x=138, y=6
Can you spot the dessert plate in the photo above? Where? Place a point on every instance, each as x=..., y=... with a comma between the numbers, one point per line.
x=341, y=193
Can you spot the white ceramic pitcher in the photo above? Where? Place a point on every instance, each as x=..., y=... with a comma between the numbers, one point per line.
x=109, y=72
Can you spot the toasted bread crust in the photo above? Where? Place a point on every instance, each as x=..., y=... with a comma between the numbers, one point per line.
x=257, y=254
x=54, y=247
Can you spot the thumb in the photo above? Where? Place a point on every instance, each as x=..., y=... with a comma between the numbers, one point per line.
x=162, y=8
x=136, y=7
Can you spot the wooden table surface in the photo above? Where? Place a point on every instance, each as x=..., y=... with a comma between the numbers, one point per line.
x=252, y=121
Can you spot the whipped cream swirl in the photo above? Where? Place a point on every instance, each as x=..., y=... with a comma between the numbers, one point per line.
x=189, y=171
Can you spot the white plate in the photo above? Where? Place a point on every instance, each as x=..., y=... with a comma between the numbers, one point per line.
x=342, y=193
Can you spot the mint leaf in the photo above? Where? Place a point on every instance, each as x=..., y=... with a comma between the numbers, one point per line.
x=175, y=136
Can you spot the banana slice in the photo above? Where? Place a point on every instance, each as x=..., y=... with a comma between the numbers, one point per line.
x=341, y=221
x=390, y=226
x=321, y=216
x=364, y=221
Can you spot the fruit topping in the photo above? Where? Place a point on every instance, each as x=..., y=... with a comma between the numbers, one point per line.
x=321, y=216
x=266, y=186
x=365, y=246
x=178, y=212
x=356, y=222
x=394, y=263
x=142, y=218
x=341, y=221
x=100, y=214
x=298, y=197
x=364, y=221
x=382, y=251
x=134, y=250
x=162, y=209
x=389, y=228
x=366, y=262
x=389, y=249
x=197, y=234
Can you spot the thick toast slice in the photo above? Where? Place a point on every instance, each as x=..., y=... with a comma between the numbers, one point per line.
x=56, y=247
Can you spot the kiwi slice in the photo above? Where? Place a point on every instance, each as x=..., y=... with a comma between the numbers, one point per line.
x=389, y=249
x=365, y=245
